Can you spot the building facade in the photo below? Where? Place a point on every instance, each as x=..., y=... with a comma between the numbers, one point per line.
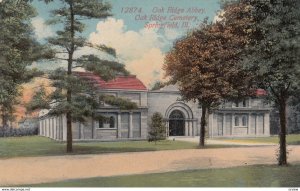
x=249, y=118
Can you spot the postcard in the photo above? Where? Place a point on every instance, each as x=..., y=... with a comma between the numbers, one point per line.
x=139, y=93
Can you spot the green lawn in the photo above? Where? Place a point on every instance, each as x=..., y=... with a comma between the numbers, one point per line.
x=293, y=139
x=41, y=146
x=249, y=176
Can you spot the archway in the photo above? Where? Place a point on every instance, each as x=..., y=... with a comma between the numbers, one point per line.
x=176, y=123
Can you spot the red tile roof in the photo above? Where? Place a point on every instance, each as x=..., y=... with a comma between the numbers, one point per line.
x=120, y=82
x=261, y=92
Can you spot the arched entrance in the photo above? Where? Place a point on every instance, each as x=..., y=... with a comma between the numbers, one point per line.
x=176, y=123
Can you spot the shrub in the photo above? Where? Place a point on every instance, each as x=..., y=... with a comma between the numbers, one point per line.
x=17, y=132
x=157, y=129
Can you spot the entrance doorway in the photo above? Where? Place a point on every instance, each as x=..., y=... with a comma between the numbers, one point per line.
x=176, y=123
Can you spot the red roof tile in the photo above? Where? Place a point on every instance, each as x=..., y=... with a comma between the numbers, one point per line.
x=261, y=92
x=120, y=82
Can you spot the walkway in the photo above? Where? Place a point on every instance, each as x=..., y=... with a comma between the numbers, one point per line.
x=28, y=170
x=220, y=142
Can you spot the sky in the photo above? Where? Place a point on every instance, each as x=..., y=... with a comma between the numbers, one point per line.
x=141, y=31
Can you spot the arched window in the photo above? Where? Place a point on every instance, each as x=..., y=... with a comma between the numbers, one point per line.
x=236, y=121
x=111, y=122
x=176, y=114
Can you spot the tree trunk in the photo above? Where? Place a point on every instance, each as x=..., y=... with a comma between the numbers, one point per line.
x=282, y=158
x=69, y=130
x=4, y=120
x=69, y=114
x=202, y=128
x=69, y=92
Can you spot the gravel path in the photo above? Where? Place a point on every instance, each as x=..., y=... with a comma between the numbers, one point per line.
x=28, y=170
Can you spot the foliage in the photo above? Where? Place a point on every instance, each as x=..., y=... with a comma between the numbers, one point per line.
x=158, y=85
x=73, y=96
x=157, y=127
x=18, y=49
x=273, y=55
x=123, y=104
x=205, y=64
x=18, y=132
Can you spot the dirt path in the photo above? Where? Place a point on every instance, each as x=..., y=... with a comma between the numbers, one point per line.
x=29, y=170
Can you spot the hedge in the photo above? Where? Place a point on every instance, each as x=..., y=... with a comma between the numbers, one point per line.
x=17, y=132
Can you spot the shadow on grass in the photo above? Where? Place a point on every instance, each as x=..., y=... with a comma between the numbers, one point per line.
x=40, y=146
x=246, y=176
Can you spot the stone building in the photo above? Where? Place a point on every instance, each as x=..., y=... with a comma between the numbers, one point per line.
x=249, y=118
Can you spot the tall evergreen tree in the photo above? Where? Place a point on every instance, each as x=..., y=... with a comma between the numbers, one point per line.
x=74, y=97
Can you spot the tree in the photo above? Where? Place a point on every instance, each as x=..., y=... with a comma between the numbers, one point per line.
x=273, y=55
x=18, y=49
x=157, y=85
x=157, y=128
x=73, y=96
x=205, y=63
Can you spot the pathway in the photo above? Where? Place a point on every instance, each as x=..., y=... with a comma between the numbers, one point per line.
x=28, y=170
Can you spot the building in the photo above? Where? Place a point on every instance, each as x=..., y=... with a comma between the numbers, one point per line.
x=249, y=118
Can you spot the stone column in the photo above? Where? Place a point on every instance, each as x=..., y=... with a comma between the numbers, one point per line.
x=223, y=125
x=167, y=128
x=47, y=127
x=249, y=124
x=79, y=130
x=57, y=128
x=44, y=127
x=190, y=128
x=195, y=126
x=60, y=128
x=211, y=124
x=267, y=124
x=119, y=125
x=232, y=124
x=130, y=126
x=186, y=128
x=54, y=127
x=40, y=127
x=93, y=128
x=64, y=128
x=51, y=128
x=255, y=126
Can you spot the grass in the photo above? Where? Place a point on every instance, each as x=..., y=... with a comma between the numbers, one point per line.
x=293, y=139
x=41, y=146
x=248, y=176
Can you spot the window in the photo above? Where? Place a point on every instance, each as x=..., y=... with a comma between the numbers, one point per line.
x=244, y=121
x=244, y=103
x=241, y=121
x=236, y=104
x=101, y=123
x=107, y=122
x=101, y=102
x=111, y=122
x=236, y=121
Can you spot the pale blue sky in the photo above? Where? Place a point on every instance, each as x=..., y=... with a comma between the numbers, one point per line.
x=131, y=34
